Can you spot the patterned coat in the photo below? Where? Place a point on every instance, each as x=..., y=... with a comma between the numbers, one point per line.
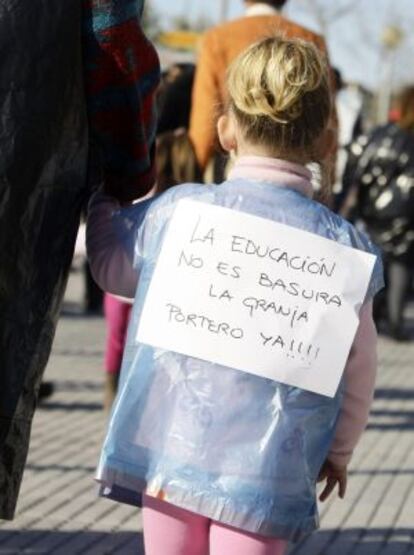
x=381, y=167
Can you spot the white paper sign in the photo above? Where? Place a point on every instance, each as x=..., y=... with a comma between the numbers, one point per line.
x=249, y=293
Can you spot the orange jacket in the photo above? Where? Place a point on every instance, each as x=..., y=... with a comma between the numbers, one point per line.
x=219, y=47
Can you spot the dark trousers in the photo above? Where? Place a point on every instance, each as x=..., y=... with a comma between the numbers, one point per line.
x=399, y=283
x=93, y=293
x=392, y=301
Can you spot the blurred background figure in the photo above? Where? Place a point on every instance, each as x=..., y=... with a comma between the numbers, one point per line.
x=175, y=163
x=176, y=159
x=93, y=298
x=381, y=195
x=219, y=47
x=174, y=97
x=349, y=106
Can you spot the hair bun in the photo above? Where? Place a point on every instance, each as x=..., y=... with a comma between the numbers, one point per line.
x=273, y=77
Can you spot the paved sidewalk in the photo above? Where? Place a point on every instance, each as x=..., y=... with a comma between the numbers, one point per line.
x=59, y=513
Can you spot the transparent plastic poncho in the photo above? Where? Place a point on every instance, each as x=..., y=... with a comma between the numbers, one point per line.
x=231, y=446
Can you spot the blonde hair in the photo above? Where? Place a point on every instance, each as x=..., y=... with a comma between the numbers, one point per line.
x=280, y=94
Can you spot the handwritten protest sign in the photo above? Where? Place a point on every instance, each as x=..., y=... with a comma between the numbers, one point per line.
x=256, y=295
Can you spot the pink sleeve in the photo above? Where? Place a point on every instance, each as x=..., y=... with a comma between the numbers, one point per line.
x=111, y=266
x=360, y=373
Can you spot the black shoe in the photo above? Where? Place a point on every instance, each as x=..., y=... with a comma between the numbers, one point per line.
x=46, y=389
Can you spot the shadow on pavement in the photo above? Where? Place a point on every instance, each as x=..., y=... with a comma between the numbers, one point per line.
x=359, y=541
x=394, y=393
x=75, y=352
x=76, y=542
x=390, y=418
x=77, y=406
x=76, y=385
x=64, y=468
x=382, y=472
x=396, y=420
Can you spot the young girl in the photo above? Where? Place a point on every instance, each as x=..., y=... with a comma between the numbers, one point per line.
x=224, y=461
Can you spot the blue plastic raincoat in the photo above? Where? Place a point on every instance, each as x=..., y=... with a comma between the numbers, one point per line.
x=231, y=446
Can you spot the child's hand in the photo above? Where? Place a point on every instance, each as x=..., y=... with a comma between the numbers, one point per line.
x=334, y=474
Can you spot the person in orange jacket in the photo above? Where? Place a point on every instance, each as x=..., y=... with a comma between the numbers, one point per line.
x=219, y=47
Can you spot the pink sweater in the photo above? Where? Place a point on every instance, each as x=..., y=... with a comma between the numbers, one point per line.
x=113, y=271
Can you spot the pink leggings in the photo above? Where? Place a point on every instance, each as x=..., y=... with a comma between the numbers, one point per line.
x=169, y=530
x=117, y=314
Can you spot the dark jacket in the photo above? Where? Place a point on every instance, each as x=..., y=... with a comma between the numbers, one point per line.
x=43, y=159
x=44, y=139
x=381, y=167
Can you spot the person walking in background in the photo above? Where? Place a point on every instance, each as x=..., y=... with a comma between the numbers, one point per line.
x=174, y=97
x=226, y=461
x=380, y=177
x=219, y=47
x=176, y=160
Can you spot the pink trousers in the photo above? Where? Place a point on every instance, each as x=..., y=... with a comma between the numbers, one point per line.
x=117, y=314
x=169, y=530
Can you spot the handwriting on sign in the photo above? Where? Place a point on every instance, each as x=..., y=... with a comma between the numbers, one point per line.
x=295, y=315
x=251, y=293
x=292, y=348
